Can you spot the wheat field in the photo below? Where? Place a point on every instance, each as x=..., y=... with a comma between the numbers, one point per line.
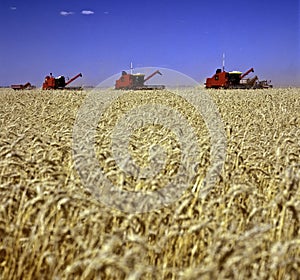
x=247, y=227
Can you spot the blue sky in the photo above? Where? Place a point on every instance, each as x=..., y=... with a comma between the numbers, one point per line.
x=101, y=38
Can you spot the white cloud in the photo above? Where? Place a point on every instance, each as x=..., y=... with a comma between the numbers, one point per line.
x=64, y=13
x=87, y=12
x=13, y=8
x=106, y=13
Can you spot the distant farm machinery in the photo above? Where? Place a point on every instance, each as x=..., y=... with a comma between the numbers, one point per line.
x=22, y=87
x=136, y=81
x=235, y=80
x=59, y=82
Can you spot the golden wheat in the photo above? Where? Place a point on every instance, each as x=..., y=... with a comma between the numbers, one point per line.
x=52, y=227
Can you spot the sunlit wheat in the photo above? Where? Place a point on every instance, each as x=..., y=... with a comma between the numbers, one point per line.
x=52, y=227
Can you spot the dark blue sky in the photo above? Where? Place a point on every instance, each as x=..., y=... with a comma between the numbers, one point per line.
x=101, y=38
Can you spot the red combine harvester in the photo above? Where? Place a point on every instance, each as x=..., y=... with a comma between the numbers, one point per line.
x=22, y=87
x=59, y=82
x=136, y=82
x=235, y=79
